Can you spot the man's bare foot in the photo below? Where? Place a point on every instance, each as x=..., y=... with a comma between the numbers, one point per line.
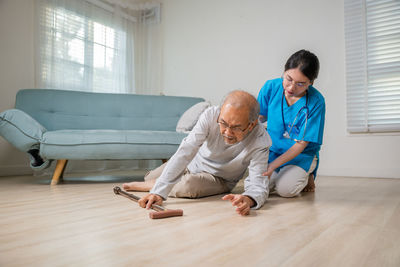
x=310, y=187
x=139, y=186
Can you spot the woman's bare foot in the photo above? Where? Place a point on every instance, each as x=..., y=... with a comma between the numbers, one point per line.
x=310, y=187
x=139, y=186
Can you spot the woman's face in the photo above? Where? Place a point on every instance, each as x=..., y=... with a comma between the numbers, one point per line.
x=295, y=83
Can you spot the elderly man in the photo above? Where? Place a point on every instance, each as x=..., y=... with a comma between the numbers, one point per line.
x=214, y=157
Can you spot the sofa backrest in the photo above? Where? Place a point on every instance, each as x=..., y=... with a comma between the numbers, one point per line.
x=63, y=109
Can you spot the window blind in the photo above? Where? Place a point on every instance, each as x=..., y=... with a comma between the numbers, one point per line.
x=372, y=36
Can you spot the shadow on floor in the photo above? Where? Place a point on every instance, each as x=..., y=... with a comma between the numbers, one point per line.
x=101, y=178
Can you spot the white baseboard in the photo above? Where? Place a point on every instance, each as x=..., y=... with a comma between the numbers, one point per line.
x=360, y=172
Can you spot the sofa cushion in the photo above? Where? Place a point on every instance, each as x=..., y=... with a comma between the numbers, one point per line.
x=20, y=129
x=110, y=144
x=189, y=118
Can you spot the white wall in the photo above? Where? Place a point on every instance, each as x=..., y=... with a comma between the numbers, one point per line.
x=16, y=71
x=214, y=46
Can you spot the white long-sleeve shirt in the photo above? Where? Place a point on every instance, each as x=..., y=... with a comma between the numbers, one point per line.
x=204, y=150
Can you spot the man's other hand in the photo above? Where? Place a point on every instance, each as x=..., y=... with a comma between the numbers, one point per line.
x=241, y=202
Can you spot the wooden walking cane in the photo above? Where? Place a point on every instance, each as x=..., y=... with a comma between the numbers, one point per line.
x=160, y=212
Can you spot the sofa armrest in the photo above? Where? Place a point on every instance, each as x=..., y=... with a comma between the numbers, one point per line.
x=20, y=129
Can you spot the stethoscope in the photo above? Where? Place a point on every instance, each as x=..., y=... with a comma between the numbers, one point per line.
x=287, y=133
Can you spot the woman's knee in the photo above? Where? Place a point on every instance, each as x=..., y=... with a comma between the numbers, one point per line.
x=291, y=181
x=288, y=190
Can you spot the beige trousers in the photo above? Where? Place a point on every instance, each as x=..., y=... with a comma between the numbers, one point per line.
x=193, y=185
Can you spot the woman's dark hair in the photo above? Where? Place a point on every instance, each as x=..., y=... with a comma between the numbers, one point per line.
x=306, y=62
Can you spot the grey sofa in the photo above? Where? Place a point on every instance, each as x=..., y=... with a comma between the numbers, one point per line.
x=67, y=125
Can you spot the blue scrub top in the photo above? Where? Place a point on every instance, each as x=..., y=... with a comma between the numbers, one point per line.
x=272, y=101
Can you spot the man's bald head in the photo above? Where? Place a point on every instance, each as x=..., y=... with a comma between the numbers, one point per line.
x=241, y=99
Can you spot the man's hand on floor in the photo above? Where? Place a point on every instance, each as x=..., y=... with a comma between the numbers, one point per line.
x=241, y=202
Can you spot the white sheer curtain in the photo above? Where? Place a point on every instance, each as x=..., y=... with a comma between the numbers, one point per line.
x=147, y=44
x=99, y=46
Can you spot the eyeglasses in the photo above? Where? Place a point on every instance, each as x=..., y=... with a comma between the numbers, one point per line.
x=234, y=129
x=289, y=79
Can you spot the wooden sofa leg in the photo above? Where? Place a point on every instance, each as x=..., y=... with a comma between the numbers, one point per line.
x=59, y=171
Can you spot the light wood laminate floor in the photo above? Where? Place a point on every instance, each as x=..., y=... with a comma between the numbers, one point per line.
x=346, y=222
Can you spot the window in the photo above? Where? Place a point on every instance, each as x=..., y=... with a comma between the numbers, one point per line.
x=83, y=47
x=372, y=34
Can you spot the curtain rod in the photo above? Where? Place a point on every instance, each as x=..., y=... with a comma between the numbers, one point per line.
x=111, y=9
